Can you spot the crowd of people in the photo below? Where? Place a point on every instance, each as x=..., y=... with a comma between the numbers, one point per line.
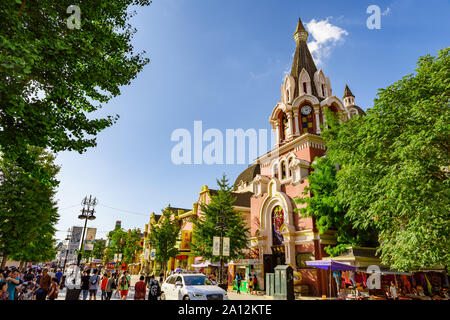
x=29, y=284
x=44, y=284
x=117, y=285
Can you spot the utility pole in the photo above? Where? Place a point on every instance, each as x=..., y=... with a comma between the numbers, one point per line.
x=87, y=213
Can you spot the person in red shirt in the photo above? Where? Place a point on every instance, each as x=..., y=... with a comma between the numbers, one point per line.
x=139, y=289
x=105, y=278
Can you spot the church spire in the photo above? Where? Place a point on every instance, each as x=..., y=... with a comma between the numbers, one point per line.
x=300, y=34
x=302, y=58
x=347, y=92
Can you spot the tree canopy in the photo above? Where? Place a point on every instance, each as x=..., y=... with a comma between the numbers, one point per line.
x=53, y=76
x=28, y=211
x=329, y=212
x=205, y=227
x=394, y=166
x=164, y=236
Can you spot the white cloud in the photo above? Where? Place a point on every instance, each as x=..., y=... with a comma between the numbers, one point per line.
x=386, y=12
x=324, y=37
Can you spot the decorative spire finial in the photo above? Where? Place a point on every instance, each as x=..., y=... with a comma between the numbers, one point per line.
x=300, y=33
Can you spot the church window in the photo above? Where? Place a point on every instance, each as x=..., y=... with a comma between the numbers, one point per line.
x=304, y=87
x=277, y=222
x=275, y=171
x=283, y=170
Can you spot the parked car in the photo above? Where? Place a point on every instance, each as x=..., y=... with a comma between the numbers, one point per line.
x=184, y=286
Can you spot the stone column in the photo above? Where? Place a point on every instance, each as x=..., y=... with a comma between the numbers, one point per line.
x=277, y=134
x=296, y=132
x=316, y=112
x=290, y=132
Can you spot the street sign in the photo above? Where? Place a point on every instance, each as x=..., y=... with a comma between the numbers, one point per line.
x=226, y=246
x=216, y=246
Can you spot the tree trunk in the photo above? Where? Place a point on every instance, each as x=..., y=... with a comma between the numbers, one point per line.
x=4, y=258
x=21, y=264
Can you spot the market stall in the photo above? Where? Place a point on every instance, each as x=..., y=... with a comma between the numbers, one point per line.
x=330, y=265
x=244, y=268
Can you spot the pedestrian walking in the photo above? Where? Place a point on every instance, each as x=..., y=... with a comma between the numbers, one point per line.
x=124, y=285
x=255, y=284
x=250, y=284
x=58, y=276
x=110, y=286
x=154, y=290
x=116, y=285
x=44, y=283
x=105, y=279
x=53, y=294
x=140, y=289
x=85, y=283
x=238, y=283
x=93, y=285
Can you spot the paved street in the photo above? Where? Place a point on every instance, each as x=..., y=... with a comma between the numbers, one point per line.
x=231, y=295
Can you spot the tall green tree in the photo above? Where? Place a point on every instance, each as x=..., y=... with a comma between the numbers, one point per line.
x=220, y=209
x=132, y=247
x=395, y=163
x=323, y=204
x=163, y=237
x=28, y=211
x=116, y=243
x=54, y=75
x=98, y=251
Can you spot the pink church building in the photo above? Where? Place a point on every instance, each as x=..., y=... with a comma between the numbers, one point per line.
x=278, y=234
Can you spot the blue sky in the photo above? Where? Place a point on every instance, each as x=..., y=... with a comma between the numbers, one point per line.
x=223, y=62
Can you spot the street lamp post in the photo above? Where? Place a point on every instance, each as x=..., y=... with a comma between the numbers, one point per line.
x=87, y=213
x=68, y=238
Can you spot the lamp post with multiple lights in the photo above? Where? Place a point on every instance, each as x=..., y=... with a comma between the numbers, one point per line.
x=87, y=213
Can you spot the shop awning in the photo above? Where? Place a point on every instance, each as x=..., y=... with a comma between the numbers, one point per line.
x=327, y=264
x=207, y=264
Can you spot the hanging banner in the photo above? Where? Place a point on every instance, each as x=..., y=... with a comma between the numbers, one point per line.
x=152, y=254
x=216, y=246
x=90, y=239
x=146, y=254
x=226, y=246
x=75, y=239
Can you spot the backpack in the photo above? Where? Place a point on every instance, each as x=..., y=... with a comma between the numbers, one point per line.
x=122, y=281
x=95, y=281
x=155, y=289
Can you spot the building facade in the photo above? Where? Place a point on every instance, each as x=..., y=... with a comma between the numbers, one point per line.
x=279, y=235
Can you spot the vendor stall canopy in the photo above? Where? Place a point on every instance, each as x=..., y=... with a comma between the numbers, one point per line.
x=327, y=264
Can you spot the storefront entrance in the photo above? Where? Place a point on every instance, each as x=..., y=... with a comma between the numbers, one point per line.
x=277, y=257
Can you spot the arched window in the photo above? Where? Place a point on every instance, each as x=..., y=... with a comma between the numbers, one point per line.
x=306, y=119
x=277, y=222
x=275, y=171
x=285, y=126
x=289, y=167
x=283, y=170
